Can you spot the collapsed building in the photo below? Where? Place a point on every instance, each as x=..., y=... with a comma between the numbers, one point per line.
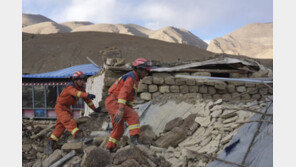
x=186, y=117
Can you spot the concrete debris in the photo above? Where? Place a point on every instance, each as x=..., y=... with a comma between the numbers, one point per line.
x=67, y=147
x=96, y=157
x=56, y=155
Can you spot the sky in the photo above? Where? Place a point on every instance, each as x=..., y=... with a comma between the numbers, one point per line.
x=207, y=19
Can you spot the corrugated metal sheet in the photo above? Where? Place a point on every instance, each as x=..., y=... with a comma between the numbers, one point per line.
x=88, y=69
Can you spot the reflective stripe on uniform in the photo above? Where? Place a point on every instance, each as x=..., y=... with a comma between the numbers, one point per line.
x=135, y=87
x=122, y=101
x=113, y=140
x=54, y=137
x=74, y=131
x=135, y=126
x=79, y=93
x=90, y=104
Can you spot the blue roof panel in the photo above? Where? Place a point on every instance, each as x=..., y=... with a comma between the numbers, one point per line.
x=87, y=69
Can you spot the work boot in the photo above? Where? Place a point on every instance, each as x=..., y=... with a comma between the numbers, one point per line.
x=79, y=136
x=134, y=140
x=51, y=145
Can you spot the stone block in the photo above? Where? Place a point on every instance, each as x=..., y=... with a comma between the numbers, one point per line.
x=171, y=138
x=249, y=85
x=184, y=89
x=207, y=96
x=164, y=89
x=211, y=90
x=147, y=80
x=230, y=88
x=157, y=80
x=180, y=81
x=201, y=74
x=145, y=96
x=220, y=85
x=241, y=89
x=142, y=88
x=217, y=96
x=203, y=89
x=228, y=113
x=169, y=80
x=193, y=89
x=216, y=113
x=56, y=155
x=174, y=89
x=229, y=120
x=226, y=97
x=210, y=83
x=203, y=121
x=152, y=88
x=155, y=95
x=263, y=91
x=252, y=90
x=190, y=82
x=67, y=147
x=246, y=97
x=238, y=83
x=177, y=122
x=235, y=96
x=256, y=96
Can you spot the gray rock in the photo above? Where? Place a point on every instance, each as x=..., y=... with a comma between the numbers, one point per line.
x=190, y=82
x=177, y=122
x=193, y=89
x=246, y=97
x=145, y=96
x=226, y=97
x=206, y=141
x=98, y=140
x=252, y=90
x=211, y=90
x=216, y=107
x=218, y=102
x=38, y=163
x=180, y=81
x=263, y=91
x=26, y=147
x=220, y=85
x=241, y=89
x=147, y=80
x=152, y=88
x=230, y=88
x=248, y=84
x=203, y=89
x=164, y=89
x=169, y=80
x=201, y=74
x=73, y=162
x=174, y=89
x=235, y=96
x=96, y=158
x=142, y=88
x=228, y=113
x=171, y=138
x=56, y=155
x=158, y=80
x=184, y=89
x=155, y=94
x=231, y=119
x=203, y=121
x=217, y=96
x=67, y=147
x=99, y=133
x=216, y=113
x=256, y=96
x=104, y=126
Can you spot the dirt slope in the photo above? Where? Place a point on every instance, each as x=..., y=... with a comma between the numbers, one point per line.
x=75, y=24
x=254, y=40
x=44, y=53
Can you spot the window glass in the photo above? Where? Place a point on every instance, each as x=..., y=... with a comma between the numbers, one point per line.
x=27, y=97
x=39, y=101
x=51, y=96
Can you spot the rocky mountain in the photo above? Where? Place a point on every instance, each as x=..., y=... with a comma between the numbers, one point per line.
x=253, y=40
x=75, y=24
x=29, y=19
x=168, y=34
x=46, y=28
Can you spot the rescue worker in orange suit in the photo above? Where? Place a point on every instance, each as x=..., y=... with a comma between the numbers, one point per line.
x=68, y=97
x=120, y=101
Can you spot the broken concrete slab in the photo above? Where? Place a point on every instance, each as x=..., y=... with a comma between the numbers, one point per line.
x=177, y=122
x=172, y=138
x=56, y=155
x=67, y=147
x=203, y=121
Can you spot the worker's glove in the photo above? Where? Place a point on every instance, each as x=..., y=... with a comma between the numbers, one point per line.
x=118, y=116
x=91, y=96
x=97, y=110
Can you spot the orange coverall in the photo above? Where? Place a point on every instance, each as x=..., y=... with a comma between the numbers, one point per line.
x=68, y=97
x=121, y=94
